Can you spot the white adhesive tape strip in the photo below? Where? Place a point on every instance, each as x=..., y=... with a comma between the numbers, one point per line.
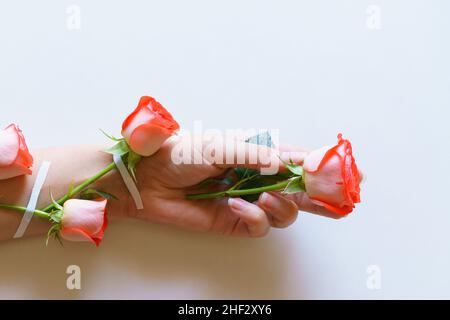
x=129, y=182
x=32, y=203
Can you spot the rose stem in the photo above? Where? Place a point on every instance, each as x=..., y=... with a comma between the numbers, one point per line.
x=38, y=213
x=80, y=187
x=236, y=193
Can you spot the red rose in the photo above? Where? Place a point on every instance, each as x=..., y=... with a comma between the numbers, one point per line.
x=146, y=129
x=15, y=159
x=84, y=220
x=332, y=178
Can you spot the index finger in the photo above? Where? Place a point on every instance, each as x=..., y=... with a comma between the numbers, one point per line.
x=228, y=153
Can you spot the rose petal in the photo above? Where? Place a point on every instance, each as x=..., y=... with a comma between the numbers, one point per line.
x=147, y=139
x=77, y=235
x=87, y=215
x=9, y=146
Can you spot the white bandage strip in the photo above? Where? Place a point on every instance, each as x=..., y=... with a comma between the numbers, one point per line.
x=32, y=203
x=129, y=182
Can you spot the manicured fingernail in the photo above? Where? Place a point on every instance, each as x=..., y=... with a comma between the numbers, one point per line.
x=267, y=199
x=238, y=204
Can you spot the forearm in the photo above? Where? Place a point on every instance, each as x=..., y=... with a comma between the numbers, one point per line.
x=69, y=165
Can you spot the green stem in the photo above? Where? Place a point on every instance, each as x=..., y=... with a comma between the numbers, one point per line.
x=82, y=186
x=240, y=183
x=236, y=193
x=37, y=213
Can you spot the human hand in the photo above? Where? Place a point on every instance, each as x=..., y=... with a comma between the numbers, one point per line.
x=164, y=186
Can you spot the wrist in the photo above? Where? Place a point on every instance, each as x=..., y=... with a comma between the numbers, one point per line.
x=113, y=184
x=91, y=168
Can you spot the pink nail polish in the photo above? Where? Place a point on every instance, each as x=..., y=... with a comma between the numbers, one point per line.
x=267, y=199
x=238, y=204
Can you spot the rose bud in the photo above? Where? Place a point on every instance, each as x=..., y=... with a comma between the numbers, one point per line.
x=84, y=220
x=332, y=178
x=15, y=159
x=146, y=129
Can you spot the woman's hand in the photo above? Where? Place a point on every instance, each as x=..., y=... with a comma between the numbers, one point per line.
x=164, y=185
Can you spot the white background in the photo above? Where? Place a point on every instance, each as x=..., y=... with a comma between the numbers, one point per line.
x=311, y=69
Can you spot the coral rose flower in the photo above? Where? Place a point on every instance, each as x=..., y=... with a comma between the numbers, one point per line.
x=332, y=178
x=146, y=129
x=84, y=220
x=15, y=159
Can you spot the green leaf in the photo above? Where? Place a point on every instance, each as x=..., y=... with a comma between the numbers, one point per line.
x=56, y=216
x=295, y=169
x=133, y=160
x=109, y=136
x=92, y=193
x=294, y=186
x=257, y=180
x=56, y=204
x=58, y=237
x=243, y=173
x=107, y=195
x=228, y=181
x=121, y=148
x=262, y=139
x=53, y=231
x=244, y=181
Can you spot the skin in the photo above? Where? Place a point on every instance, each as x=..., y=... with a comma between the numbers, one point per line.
x=163, y=186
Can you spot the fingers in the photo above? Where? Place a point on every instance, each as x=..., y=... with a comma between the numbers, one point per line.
x=234, y=153
x=253, y=220
x=272, y=210
x=292, y=153
x=256, y=220
x=303, y=203
x=281, y=211
x=226, y=152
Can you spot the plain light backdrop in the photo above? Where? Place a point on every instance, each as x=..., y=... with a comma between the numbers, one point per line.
x=377, y=71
